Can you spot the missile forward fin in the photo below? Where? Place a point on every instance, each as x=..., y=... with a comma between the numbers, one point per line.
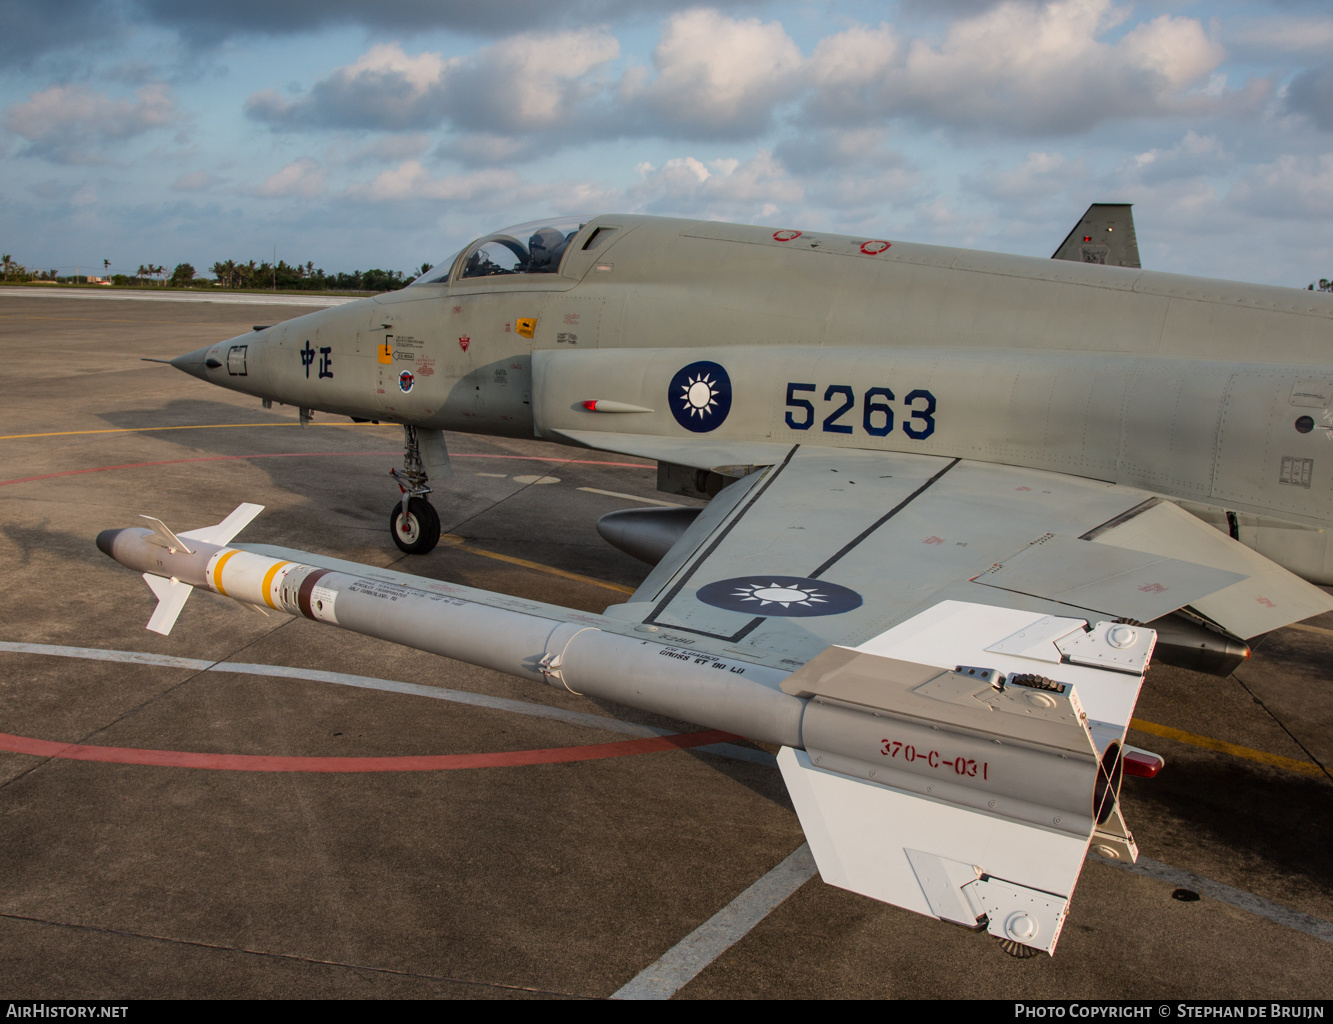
x=171, y=597
x=221, y=533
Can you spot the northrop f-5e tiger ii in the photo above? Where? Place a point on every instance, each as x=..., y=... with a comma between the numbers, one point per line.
x=959, y=501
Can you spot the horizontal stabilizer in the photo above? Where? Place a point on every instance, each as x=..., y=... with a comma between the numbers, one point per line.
x=223, y=532
x=171, y=597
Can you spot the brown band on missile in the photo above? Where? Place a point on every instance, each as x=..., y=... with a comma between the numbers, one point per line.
x=308, y=585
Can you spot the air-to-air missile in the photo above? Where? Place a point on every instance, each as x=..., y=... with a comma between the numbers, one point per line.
x=958, y=501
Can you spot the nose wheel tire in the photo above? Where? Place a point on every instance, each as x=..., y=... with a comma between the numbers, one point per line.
x=418, y=531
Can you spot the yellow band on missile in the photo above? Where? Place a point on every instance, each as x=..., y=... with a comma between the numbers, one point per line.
x=268, y=583
x=217, y=571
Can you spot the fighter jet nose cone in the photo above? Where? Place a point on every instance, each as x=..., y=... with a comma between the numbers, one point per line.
x=194, y=363
x=105, y=540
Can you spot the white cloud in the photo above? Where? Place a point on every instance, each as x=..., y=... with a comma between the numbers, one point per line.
x=717, y=75
x=728, y=189
x=411, y=181
x=1041, y=176
x=383, y=88
x=1033, y=68
x=69, y=123
x=1193, y=155
x=1289, y=187
x=530, y=82
x=300, y=179
x=501, y=196
x=521, y=84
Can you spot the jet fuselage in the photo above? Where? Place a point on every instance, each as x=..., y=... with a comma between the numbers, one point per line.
x=1214, y=394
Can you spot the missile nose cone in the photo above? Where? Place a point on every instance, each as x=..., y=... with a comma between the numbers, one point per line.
x=105, y=540
x=194, y=363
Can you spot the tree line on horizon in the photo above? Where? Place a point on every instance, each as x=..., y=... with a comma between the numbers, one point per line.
x=230, y=274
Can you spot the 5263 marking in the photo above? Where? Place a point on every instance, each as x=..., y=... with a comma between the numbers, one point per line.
x=877, y=418
x=965, y=766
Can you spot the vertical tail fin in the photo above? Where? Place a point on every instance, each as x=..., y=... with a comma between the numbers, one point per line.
x=1105, y=234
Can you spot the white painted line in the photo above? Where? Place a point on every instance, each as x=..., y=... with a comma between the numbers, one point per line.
x=1257, y=905
x=497, y=476
x=632, y=497
x=518, y=707
x=96, y=654
x=680, y=964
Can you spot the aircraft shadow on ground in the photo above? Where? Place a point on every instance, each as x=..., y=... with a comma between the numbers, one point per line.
x=50, y=541
x=760, y=779
x=1246, y=809
x=1304, y=652
x=183, y=412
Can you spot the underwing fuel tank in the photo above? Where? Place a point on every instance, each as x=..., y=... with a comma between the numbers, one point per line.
x=646, y=533
x=967, y=794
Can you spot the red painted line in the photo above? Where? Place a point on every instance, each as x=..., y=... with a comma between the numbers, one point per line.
x=411, y=763
x=298, y=455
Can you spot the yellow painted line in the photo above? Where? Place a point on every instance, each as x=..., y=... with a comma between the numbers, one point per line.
x=192, y=426
x=268, y=583
x=1311, y=629
x=1235, y=750
x=217, y=571
x=457, y=541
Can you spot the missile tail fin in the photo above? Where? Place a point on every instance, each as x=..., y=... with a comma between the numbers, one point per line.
x=171, y=596
x=223, y=532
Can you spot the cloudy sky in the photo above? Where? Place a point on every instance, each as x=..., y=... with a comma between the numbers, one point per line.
x=388, y=134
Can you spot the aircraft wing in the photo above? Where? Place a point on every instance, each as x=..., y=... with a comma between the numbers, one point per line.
x=904, y=532
x=896, y=588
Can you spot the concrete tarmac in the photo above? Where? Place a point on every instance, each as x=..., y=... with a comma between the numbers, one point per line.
x=122, y=880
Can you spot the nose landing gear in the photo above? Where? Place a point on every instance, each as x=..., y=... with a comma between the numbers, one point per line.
x=414, y=523
x=416, y=529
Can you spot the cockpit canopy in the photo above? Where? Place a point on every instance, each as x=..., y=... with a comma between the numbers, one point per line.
x=532, y=248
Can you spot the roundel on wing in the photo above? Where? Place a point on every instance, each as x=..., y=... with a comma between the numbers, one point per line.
x=700, y=396
x=793, y=596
